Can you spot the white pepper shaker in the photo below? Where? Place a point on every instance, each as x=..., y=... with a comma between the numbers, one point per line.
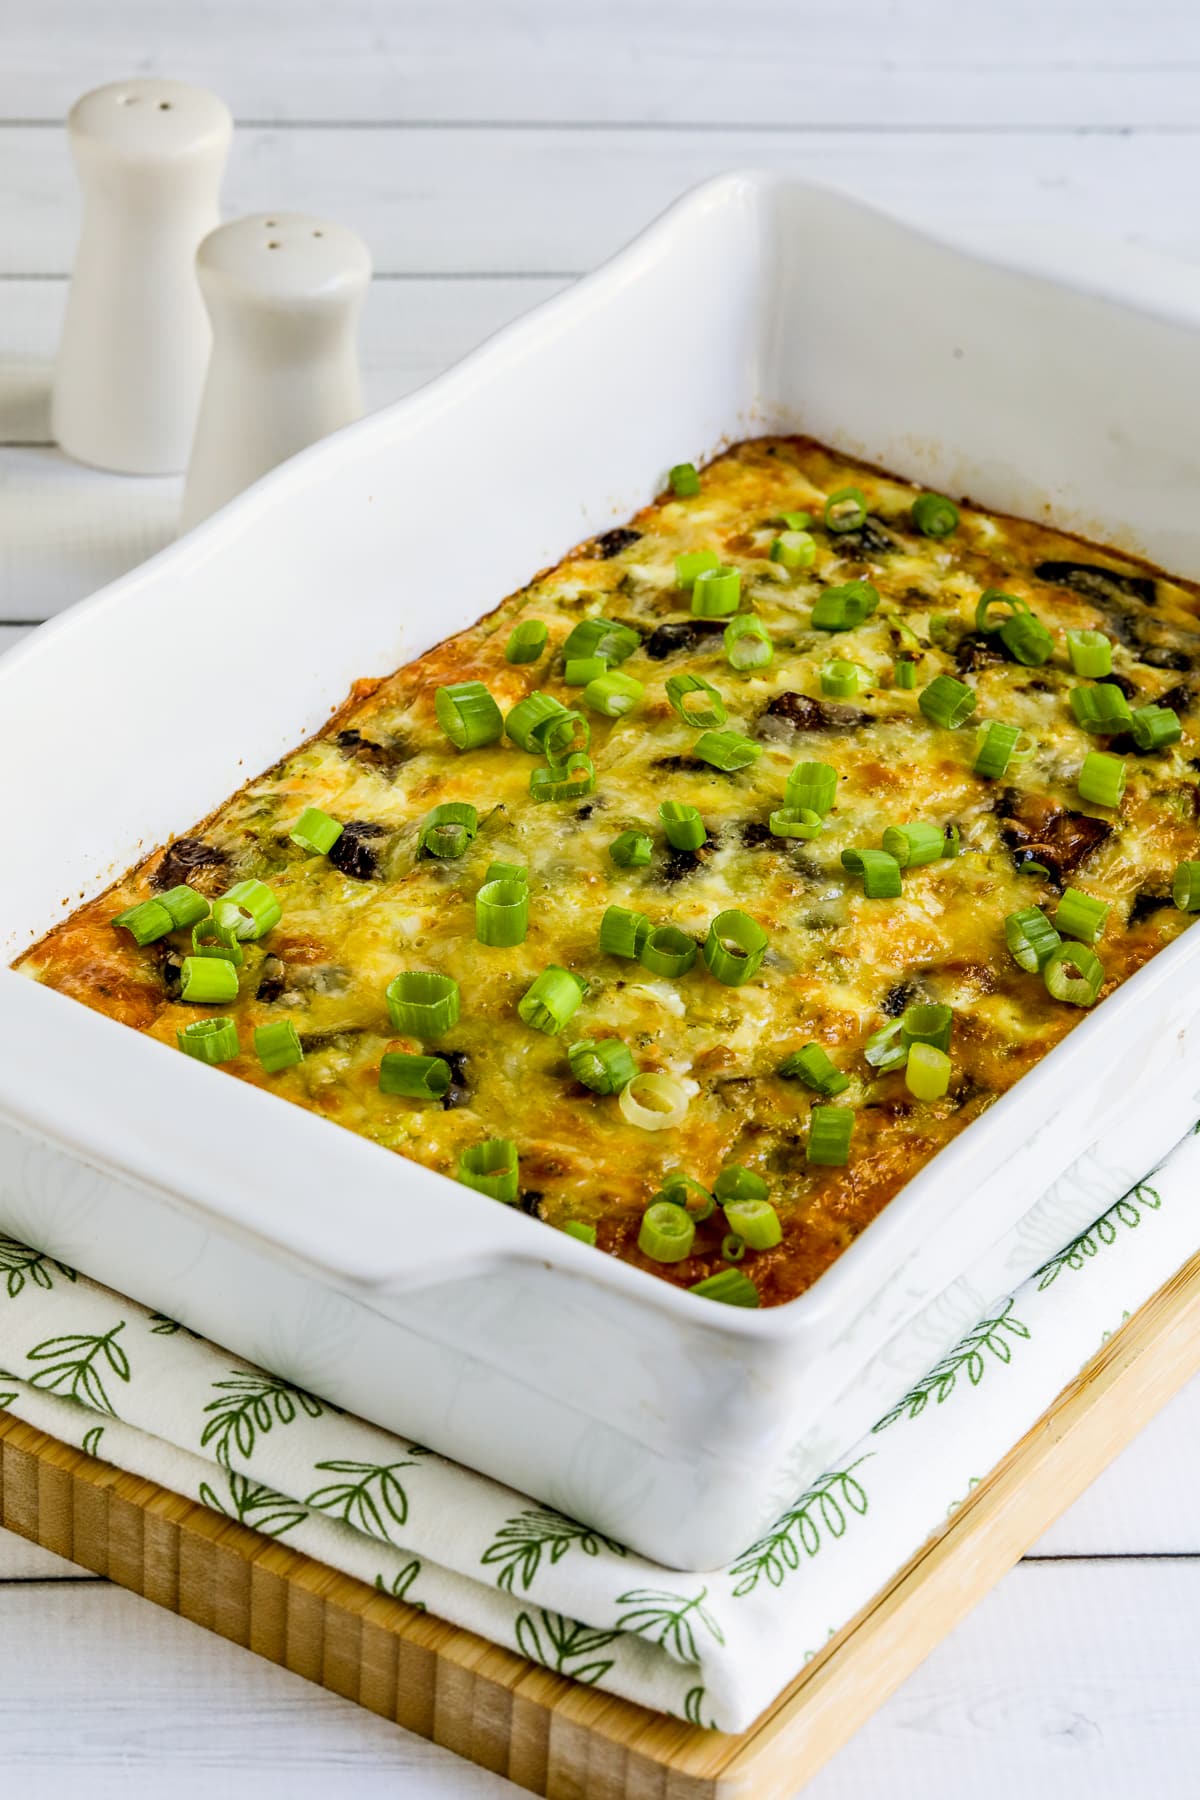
x=284, y=293
x=127, y=382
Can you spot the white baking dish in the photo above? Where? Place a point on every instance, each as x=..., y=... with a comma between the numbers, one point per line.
x=757, y=304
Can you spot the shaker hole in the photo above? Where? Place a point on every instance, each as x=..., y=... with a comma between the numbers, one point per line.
x=318, y=234
x=270, y=224
x=164, y=106
x=273, y=244
x=126, y=99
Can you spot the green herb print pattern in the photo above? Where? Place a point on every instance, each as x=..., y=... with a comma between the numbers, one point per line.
x=826, y=1509
x=521, y=1543
x=693, y=1704
x=76, y=1367
x=90, y=1442
x=372, y=1500
x=253, y=1503
x=669, y=1620
x=1128, y=1212
x=565, y=1645
x=400, y=1586
x=19, y=1265
x=246, y=1408
x=991, y=1339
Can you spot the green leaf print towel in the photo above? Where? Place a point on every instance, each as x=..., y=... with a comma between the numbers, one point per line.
x=714, y=1647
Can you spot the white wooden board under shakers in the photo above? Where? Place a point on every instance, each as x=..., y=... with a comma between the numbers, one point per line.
x=488, y=151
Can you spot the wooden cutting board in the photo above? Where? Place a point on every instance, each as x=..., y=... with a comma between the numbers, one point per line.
x=540, y=1730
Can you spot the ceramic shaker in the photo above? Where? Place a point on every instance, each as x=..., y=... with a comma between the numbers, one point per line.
x=134, y=349
x=284, y=292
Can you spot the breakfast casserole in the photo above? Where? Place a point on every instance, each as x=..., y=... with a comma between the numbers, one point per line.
x=693, y=899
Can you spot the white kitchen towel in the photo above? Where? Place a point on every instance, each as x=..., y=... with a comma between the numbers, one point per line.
x=136, y=1389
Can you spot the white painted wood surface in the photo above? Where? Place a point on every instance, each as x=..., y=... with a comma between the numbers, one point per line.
x=490, y=150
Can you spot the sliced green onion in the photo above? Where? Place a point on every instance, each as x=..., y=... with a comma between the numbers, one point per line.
x=468, y=715
x=710, y=711
x=654, y=1102
x=794, y=549
x=995, y=748
x=716, y=592
x=622, y=932
x=529, y=718
x=929, y=1024
x=941, y=630
x=212, y=938
x=682, y=825
x=1154, y=727
x=904, y=672
x=811, y=1065
x=885, y=1049
x=667, y=951
x=1102, y=709
x=795, y=821
x=756, y=1221
x=582, y=669
x=1185, y=887
x=692, y=563
x=564, y=781
x=185, y=905
x=565, y=735
x=927, y=1072
x=726, y=750
x=797, y=521
x=577, y=1229
x=209, y=1040
x=733, y=1247
x=526, y=641
x=603, y=1064
x=845, y=510
x=681, y=1190
x=1102, y=779
x=413, y=1077
x=422, y=1003
x=839, y=677
x=830, y=1129
x=880, y=872
x=506, y=871
x=934, y=516
x=812, y=784
x=1074, y=973
x=947, y=702
x=550, y=1000
x=684, y=480
x=995, y=609
x=278, y=1046
x=599, y=636
x=148, y=921
x=667, y=1233
x=1027, y=640
x=953, y=842
x=631, y=849
x=502, y=913
x=1080, y=916
x=729, y=1286
x=734, y=948
x=913, y=845
x=1090, y=653
x=736, y=1182
x=613, y=694
x=207, y=980
x=844, y=607
x=251, y=907
x=491, y=1168
x=748, y=643
x=448, y=830
x=315, y=831
x=1031, y=938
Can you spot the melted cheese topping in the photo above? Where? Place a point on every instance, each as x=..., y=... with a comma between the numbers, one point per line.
x=839, y=965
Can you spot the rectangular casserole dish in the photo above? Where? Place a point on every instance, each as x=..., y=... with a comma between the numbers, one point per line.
x=756, y=305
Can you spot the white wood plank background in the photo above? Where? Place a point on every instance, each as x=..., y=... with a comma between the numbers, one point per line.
x=491, y=150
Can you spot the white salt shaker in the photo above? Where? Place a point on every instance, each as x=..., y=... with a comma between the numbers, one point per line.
x=127, y=382
x=284, y=293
